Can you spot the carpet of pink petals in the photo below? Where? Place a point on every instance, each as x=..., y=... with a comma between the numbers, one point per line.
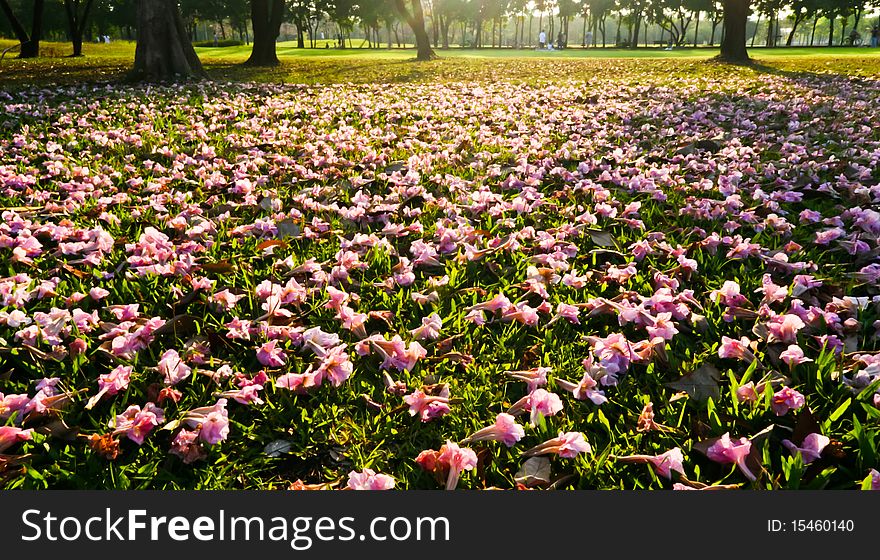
x=604, y=284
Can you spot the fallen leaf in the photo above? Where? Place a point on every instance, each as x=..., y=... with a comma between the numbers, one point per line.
x=534, y=472
x=700, y=384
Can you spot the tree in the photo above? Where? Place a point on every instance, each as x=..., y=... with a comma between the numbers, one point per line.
x=30, y=44
x=164, y=50
x=76, y=22
x=733, y=45
x=416, y=21
x=266, y=19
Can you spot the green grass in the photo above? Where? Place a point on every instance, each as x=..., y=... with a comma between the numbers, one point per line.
x=111, y=62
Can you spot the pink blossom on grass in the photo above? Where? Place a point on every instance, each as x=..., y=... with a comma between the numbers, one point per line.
x=173, y=368
x=567, y=445
x=736, y=349
x=458, y=459
x=10, y=435
x=136, y=424
x=368, y=479
x=427, y=407
x=270, y=355
x=662, y=464
x=211, y=422
x=810, y=449
x=727, y=451
x=111, y=383
x=793, y=356
x=505, y=429
x=786, y=399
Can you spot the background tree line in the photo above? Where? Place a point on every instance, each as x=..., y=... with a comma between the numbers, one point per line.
x=438, y=24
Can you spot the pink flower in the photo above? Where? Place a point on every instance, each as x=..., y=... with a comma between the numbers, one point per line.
x=225, y=299
x=663, y=327
x=585, y=390
x=729, y=294
x=111, y=383
x=567, y=445
x=537, y=402
x=369, y=480
x=615, y=354
x=811, y=448
x=430, y=328
x=499, y=302
x=335, y=366
x=98, y=294
x=566, y=311
x=793, y=356
x=211, y=422
x=534, y=378
x=10, y=435
x=173, y=368
x=786, y=399
x=736, y=349
x=270, y=355
x=874, y=484
x=784, y=328
x=522, y=313
x=135, y=423
x=427, y=407
x=457, y=459
x=663, y=464
x=186, y=445
x=505, y=430
x=395, y=353
x=726, y=451
x=747, y=393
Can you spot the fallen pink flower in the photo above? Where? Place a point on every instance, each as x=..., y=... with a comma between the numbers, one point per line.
x=135, y=423
x=173, y=368
x=368, y=479
x=111, y=383
x=727, y=451
x=567, y=445
x=810, y=449
x=505, y=430
x=663, y=464
x=10, y=435
x=786, y=399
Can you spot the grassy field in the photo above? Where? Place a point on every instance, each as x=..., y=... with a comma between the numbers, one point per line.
x=554, y=270
x=111, y=62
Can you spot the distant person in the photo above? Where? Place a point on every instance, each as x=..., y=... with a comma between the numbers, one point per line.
x=875, y=36
x=542, y=40
x=216, y=41
x=107, y=39
x=560, y=40
x=588, y=39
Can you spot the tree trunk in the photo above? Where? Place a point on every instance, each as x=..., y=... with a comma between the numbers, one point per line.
x=76, y=23
x=634, y=39
x=300, y=36
x=697, y=30
x=795, y=23
x=831, y=32
x=755, y=34
x=733, y=44
x=266, y=18
x=30, y=44
x=813, y=32
x=416, y=22
x=163, y=50
x=771, y=31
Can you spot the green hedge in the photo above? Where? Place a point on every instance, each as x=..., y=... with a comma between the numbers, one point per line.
x=225, y=43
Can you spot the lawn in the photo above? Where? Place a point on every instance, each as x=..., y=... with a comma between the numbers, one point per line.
x=478, y=272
